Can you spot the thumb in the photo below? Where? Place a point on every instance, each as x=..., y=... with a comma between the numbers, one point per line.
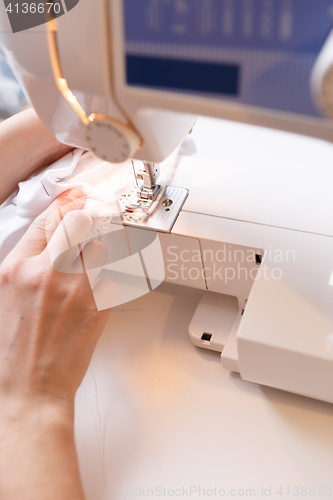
x=39, y=233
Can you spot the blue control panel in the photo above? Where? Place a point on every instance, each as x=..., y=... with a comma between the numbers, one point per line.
x=254, y=52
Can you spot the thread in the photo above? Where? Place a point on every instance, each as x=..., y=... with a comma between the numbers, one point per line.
x=99, y=432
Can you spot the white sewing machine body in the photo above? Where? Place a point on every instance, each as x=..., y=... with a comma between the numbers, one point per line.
x=276, y=327
x=284, y=337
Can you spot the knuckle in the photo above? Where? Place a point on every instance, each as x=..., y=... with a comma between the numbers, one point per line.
x=51, y=223
x=29, y=275
x=50, y=283
x=38, y=226
x=77, y=225
x=18, y=275
x=11, y=271
x=95, y=254
x=50, y=277
x=33, y=281
x=62, y=294
x=99, y=247
x=70, y=294
x=80, y=217
x=77, y=220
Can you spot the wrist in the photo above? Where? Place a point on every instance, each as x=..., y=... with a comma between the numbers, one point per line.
x=45, y=415
x=37, y=452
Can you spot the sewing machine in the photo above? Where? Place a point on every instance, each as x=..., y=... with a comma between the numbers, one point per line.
x=126, y=79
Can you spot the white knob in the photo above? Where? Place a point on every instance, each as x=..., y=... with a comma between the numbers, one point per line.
x=111, y=140
x=322, y=78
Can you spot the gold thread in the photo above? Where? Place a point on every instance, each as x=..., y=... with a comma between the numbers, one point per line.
x=61, y=82
x=110, y=77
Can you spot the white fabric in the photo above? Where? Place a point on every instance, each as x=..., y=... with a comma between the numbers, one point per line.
x=97, y=179
x=103, y=183
x=31, y=199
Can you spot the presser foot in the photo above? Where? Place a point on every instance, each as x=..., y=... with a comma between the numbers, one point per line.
x=163, y=216
x=148, y=175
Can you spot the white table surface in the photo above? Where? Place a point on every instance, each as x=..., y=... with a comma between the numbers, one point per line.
x=156, y=412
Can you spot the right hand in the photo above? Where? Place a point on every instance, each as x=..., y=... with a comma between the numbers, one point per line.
x=49, y=321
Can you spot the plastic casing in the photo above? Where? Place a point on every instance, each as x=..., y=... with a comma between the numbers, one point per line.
x=92, y=50
x=285, y=211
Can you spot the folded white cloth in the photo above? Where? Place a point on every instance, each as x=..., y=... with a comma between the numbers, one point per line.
x=32, y=198
x=101, y=182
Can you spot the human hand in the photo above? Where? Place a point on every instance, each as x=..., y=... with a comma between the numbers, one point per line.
x=27, y=146
x=49, y=323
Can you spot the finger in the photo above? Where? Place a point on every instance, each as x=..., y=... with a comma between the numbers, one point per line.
x=66, y=242
x=105, y=293
x=92, y=259
x=41, y=230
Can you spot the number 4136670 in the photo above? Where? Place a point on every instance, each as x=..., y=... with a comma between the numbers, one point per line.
x=305, y=491
x=34, y=8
